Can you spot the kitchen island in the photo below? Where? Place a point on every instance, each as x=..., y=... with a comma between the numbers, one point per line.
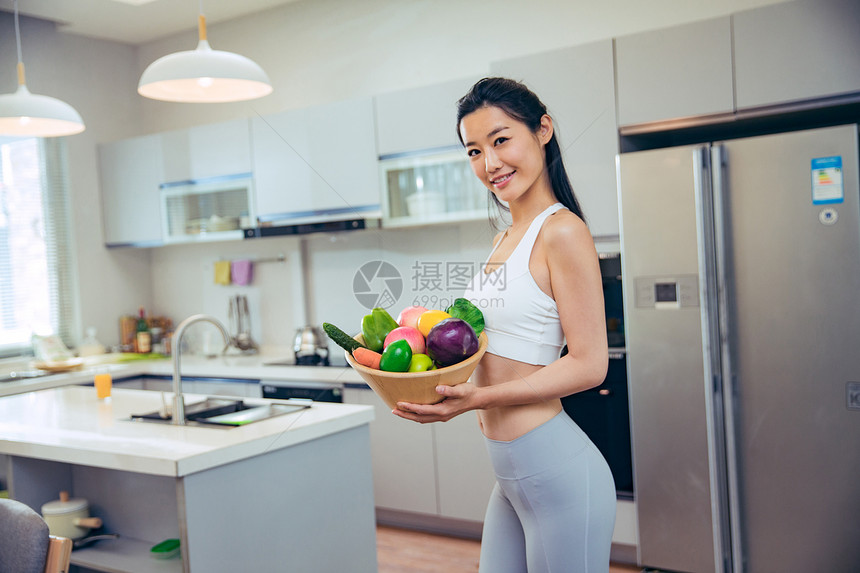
x=292, y=492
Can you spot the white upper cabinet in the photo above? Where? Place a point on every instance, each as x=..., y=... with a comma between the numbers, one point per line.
x=578, y=87
x=674, y=73
x=420, y=119
x=206, y=151
x=797, y=50
x=131, y=172
x=317, y=162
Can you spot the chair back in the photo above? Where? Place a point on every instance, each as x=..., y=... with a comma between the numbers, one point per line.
x=59, y=555
x=26, y=545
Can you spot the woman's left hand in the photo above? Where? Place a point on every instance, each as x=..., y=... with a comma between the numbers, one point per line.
x=458, y=399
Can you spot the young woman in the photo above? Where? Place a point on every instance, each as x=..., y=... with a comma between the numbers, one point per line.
x=553, y=506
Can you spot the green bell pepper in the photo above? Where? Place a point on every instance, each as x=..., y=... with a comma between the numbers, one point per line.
x=396, y=357
x=375, y=327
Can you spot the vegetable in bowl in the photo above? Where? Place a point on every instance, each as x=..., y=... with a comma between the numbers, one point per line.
x=451, y=341
x=464, y=309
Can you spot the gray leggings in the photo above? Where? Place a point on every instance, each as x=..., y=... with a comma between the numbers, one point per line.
x=553, y=507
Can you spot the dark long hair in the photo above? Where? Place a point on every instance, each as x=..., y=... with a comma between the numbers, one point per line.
x=523, y=105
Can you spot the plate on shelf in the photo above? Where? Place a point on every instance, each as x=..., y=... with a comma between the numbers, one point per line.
x=58, y=365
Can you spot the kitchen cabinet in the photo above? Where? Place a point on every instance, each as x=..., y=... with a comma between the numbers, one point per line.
x=439, y=469
x=426, y=177
x=179, y=186
x=421, y=119
x=130, y=384
x=676, y=72
x=224, y=388
x=131, y=171
x=206, y=151
x=404, y=473
x=578, y=87
x=238, y=388
x=751, y=59
x=316, y=163
x=465, y=473
x=795, y=51
x=430, y=189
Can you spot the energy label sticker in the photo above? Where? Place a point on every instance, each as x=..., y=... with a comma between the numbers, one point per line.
x=827, y=180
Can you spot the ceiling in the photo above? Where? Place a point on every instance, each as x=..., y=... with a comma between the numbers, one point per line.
x=124, y=21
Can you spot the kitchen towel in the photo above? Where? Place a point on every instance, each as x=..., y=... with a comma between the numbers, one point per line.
x=222, y=272
x=242, y=271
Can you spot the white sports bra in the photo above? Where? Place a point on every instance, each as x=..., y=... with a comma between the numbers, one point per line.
x=521, y=320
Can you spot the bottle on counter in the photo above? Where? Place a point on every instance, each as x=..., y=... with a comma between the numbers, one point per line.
x=143, y=337
x=90, y=345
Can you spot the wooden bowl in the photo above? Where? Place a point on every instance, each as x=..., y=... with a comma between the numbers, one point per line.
x=417, y=387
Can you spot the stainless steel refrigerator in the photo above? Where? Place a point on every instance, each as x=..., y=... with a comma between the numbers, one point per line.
x=741, y=265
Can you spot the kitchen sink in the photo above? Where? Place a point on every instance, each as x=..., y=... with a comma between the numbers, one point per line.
x=225, y=413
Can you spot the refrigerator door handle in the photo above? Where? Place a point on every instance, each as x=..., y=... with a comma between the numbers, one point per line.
x=706, y=180
x=724, y=266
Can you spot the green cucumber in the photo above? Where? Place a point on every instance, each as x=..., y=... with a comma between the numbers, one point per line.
x=341, y=338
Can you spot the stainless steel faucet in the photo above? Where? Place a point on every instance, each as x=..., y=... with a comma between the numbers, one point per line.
x=178, y=398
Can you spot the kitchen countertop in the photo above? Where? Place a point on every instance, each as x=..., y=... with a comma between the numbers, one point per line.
x=71, y=425
x=230, y=366
x=254, y=367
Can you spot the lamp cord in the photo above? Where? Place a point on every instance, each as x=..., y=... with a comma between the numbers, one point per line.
x=18, y=33
x=201, y=23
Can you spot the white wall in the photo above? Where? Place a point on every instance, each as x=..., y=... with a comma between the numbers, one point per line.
x=184, y=276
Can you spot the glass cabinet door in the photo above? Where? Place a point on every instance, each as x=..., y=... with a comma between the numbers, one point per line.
x=207, y=211
x=439, y=188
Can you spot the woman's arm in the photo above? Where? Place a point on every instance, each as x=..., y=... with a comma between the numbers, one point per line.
x=576, y=285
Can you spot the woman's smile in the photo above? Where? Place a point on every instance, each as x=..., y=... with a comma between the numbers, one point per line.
x=500, y=182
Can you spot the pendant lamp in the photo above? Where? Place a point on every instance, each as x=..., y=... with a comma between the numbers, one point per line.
x=25, y=114
x=204, y=75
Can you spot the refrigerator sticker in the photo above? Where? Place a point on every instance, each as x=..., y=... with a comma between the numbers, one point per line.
x=827, y=180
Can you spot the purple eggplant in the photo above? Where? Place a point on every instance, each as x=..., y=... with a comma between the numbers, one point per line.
x=451, y=341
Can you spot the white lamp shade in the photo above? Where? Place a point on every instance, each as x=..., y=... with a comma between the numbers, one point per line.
x=204, y=75
x=26, y=114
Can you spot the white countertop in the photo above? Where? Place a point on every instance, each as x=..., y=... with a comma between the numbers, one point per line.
x=71, y=425
x=241, y=367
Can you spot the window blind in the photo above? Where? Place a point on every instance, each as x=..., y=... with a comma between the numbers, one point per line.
x=36, y=280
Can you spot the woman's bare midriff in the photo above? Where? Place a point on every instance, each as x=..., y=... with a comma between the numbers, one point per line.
x=506, y=423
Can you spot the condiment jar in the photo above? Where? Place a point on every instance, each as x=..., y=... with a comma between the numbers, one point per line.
x=69, y=517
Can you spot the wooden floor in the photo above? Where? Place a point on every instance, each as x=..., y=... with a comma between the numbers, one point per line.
x=406, y=551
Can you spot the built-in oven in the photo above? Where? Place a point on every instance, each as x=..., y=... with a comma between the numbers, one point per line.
x=603, y=412
x=310, y=390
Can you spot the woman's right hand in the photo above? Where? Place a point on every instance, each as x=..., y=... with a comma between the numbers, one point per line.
x=458, y=399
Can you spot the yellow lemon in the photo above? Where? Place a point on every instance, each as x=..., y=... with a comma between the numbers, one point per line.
x=429, y=319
